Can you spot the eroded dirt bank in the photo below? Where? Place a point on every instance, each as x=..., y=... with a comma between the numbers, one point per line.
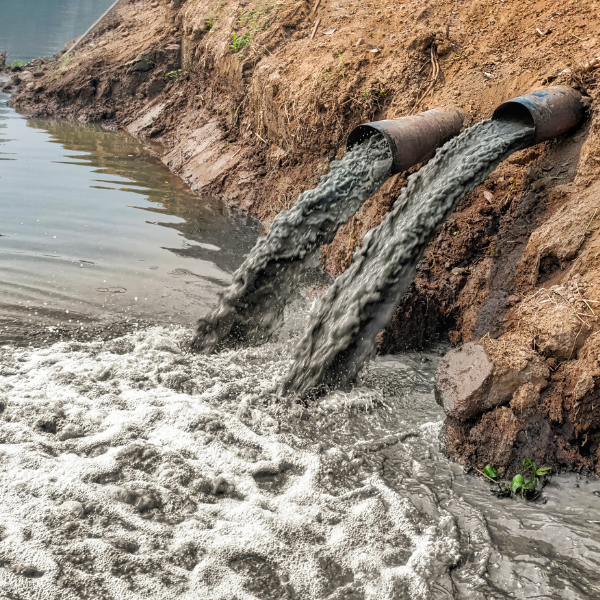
x=253, y=107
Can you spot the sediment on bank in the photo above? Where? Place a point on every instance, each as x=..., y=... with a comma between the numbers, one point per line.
x=253, y=106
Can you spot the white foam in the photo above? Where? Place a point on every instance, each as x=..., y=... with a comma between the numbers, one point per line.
x=160, y=426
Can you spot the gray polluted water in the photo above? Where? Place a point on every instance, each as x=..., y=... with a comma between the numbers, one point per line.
x=252, y=306
x=342, y=331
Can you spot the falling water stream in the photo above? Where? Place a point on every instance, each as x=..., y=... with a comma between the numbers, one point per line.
x=341, y=333
x=251, y=308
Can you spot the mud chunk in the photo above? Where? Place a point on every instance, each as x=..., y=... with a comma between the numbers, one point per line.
x=146, y=501
x=72, y=509
x=143, y=500
x=124, y=544
x=142, y=66
x=187, y=556
x=463, y=381
x=47, y=424
x=584, y=384
x=525, y=399
x=120, y=494
x=28, y=571
x=70, y=431
x=222, y=485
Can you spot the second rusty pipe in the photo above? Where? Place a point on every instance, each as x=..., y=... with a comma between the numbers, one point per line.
x=411, y=139
x=549, y=111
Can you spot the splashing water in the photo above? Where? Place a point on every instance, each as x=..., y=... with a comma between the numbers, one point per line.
x=252, y=306
x=359, y=304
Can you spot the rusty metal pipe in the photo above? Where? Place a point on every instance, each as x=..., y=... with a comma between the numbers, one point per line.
x=551, y=111
x=411, y=139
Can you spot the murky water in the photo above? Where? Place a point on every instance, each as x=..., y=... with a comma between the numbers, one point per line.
x=133, y=468
x=33, y=28
x=93, y=228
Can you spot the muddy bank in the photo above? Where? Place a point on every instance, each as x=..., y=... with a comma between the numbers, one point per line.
x=252, y=106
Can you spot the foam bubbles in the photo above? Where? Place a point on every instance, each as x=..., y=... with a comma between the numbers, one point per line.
x=181, y=477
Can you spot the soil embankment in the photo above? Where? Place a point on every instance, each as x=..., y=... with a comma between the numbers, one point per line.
x=254, y=99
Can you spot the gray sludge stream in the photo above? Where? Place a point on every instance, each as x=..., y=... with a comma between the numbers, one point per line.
x=252, y=306
x=132, y=468
x=341, y=334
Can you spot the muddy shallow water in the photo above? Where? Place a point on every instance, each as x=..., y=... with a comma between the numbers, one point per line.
x=93, y=228
x=130, y=468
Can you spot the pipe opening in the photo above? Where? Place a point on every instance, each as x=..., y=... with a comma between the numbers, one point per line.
x=361, y=134
x=514, y=112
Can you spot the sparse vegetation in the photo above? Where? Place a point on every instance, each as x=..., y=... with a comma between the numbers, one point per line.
x=18, y=63
x=173, y=74
x=527, y=488
x=239, y=42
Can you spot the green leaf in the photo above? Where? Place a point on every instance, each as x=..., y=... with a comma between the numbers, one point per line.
x=490, y=471
x=526, y=463
x=531, y=484
x=517, y=483
x=543, y=471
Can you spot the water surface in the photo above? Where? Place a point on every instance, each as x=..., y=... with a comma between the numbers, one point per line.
x=33, y=28
x=93, y=227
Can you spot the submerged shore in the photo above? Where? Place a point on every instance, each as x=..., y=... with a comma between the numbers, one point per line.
x=252, y=106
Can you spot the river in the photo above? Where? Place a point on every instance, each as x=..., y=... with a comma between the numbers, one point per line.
x=33, y=28
x=131, y=468
x=124, y=241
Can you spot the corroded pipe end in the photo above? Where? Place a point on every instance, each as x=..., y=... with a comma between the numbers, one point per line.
x=550, y=111
x=411, y=139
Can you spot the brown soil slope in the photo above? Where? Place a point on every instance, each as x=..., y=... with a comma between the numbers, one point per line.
x=253, y=99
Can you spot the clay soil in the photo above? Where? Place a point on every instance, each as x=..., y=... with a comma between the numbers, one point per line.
x=253, y=99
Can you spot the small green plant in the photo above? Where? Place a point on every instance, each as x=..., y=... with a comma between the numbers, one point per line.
x=490, y=472
x=341, y=64
x=520, y=484
x=239, y=42
x=246, y=16
x=501, y=491
x=526, y=487
x=173, y=74
x=18, y=63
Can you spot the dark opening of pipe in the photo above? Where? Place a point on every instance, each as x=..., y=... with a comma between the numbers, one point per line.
x=411, y=139
x=551, y=111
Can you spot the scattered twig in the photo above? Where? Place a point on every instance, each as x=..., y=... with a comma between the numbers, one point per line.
x=482, y=473
x=575, y=340
x=588, y=225
x=586, y=303
x=317, y=23
x=258, y=136
x=315, y=7
x=577, y=37
x=435, y=73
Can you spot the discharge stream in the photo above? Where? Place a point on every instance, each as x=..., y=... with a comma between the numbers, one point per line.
x=253, y=304
x=342, y=331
